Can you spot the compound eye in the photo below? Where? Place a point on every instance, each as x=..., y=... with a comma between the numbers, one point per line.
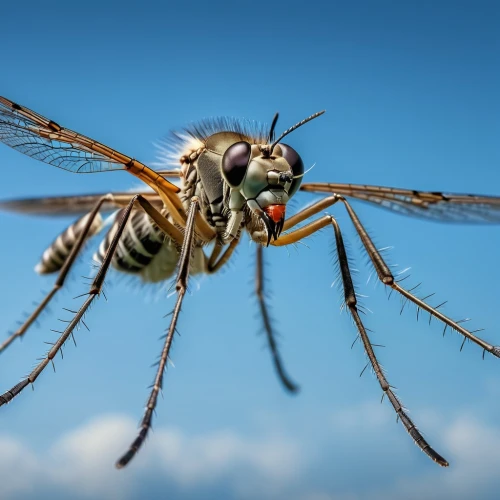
x=295, y=161
x=235, y=163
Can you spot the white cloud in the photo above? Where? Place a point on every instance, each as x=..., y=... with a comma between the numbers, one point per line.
x=81, y=462
x=474, y=452
x=14, y=457
x=471, y=446
x=206, y=458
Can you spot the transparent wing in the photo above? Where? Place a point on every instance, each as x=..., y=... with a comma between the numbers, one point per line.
x=446, y=207
x=74, y=205
x=45, y=140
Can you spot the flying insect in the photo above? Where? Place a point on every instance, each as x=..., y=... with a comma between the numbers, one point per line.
x=234, y=177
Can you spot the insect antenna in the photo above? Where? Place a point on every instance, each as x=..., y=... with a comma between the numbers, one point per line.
x=295, y=127
x=270, y=137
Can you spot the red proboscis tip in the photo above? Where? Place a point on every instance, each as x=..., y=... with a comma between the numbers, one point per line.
x=275, y=212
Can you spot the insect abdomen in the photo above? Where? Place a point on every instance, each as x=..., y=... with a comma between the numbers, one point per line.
x=54, y=257
x=140, y=243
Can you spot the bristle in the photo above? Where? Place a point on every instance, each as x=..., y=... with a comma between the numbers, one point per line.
x=191, y=138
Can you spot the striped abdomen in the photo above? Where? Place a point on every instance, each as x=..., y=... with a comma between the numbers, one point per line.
x=54, y=257
x=141, y=241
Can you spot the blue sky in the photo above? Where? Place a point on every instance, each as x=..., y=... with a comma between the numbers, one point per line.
x=411, y=93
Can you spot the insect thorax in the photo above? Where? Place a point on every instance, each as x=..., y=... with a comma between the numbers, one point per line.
x=200, y=150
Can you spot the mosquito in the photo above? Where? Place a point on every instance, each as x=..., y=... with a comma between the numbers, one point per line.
x=234, y=177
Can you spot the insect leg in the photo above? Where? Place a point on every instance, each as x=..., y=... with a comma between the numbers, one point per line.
x=215, y=263
x=386, y=277
x=259, y=290
x=283, y=240
x=95, y=290
x=310, y=211
x=303, y=232
x=307, y=230
x=286, y=239
x=181, y=286
x=204, y=229
x=166, y=226
x=350, y=301
x=66, y=266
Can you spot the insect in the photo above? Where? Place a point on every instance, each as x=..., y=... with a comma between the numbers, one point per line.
x=235, y=177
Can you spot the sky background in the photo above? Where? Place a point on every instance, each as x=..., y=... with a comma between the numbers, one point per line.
x=411, y=93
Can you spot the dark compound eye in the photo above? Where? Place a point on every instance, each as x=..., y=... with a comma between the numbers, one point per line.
x=296, y=164
x=235, y=163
